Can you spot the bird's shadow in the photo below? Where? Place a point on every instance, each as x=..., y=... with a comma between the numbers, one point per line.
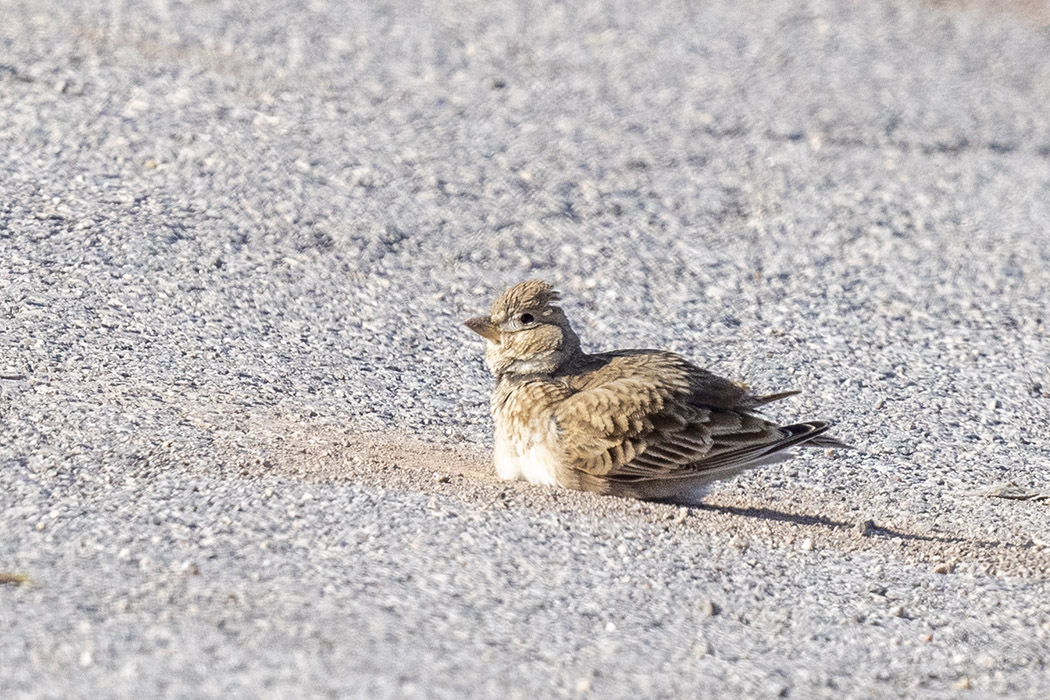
x=772, y=514
x=864, y=529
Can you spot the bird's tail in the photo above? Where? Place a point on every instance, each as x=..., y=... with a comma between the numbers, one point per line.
x=756, y=401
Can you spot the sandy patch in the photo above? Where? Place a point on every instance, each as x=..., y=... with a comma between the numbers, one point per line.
x=319, y=451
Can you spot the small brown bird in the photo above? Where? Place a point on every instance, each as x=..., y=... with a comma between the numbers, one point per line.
x=636, y=423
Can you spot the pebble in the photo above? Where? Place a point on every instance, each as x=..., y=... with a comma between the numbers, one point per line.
x=864, y=528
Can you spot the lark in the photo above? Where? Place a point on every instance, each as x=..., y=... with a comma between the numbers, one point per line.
x=635, y=423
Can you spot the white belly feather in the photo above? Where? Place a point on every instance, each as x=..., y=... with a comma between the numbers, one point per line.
x=526, y=455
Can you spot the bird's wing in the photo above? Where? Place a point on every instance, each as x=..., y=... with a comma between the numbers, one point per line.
x=656, y=416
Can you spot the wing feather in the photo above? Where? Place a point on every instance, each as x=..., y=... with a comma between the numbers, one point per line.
x=650, y=415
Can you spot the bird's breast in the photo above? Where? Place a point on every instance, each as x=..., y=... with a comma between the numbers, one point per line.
x=526, y=437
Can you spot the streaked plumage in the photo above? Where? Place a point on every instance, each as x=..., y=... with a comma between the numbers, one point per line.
x=638, y=423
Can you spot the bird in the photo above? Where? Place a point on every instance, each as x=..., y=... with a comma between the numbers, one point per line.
x=645, y=424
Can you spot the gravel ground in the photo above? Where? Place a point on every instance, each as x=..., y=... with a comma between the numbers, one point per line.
x=244, y=435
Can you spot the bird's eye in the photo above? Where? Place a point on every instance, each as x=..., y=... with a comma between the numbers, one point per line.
x=526, y=319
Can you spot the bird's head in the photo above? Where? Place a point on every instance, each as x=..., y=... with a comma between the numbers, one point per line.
x=524, y=332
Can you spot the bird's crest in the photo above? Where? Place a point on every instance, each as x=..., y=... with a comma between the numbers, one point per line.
x=524, y=296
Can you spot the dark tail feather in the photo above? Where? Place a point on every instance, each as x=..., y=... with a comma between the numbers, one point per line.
x=756, y=401
x=829, y=442
x=797, y=434
x=804, y=434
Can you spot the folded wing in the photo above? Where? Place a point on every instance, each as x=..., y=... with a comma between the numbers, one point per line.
x=652, y=415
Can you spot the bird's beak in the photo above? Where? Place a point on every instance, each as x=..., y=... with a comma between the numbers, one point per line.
x=483, y=327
